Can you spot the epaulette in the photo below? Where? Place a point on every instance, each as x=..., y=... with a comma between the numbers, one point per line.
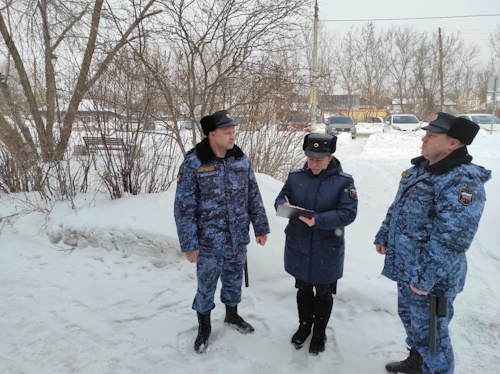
x=296, y=171
x=345, y=174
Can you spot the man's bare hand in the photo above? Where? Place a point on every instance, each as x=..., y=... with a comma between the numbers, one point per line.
x=417, y=291
x=380, y=249
x=308, y=221
x=192, y=256
x=262, y=239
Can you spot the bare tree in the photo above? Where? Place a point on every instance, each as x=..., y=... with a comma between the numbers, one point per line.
x=495, y=45
x=466, y=66
x=56, y=30
x=327, y=77
x=347, y=65
x=211, y=43
x=150, y=157
x=371, y=57
x=402, y=46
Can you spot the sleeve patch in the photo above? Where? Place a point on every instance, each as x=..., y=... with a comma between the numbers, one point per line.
x=353, y=192
x=466, y=196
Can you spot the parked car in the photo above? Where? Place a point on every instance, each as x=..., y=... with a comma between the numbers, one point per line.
x=402, y=122
x=295, y=122
x=375, y=119
x=338, y=124
x=485, y=121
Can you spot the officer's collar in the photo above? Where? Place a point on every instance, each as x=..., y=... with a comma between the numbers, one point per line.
x=334, y=165
x=457, y=157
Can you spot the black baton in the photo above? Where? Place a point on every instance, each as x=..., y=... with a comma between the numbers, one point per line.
x=439, y=308
x=432, y=326
x=246, y=273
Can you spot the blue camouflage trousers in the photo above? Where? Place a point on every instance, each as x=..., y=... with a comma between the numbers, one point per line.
x=414, y=311
x=209, y=268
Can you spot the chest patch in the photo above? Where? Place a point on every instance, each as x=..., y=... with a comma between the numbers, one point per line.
x=205, y=169
x=466, y=196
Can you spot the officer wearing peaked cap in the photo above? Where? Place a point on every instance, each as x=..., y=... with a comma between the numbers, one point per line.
x=425, y=236
x=217, y=198
x=217, y=120
x=314, y=247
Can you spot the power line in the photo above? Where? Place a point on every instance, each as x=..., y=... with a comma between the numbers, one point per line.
x=407, y=19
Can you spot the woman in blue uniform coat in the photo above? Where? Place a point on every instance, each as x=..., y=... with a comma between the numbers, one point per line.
x=314, y=248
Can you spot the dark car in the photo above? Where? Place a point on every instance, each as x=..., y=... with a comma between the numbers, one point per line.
x=338, y=124
x=296, y=122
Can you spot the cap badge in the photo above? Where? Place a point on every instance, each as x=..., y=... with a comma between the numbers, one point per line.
x=228, y=116
x=316, y=145
x=435, y=118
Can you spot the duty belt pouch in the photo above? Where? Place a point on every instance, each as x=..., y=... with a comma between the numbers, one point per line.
x=442, y=306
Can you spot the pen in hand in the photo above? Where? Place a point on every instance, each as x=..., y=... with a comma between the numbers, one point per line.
x=287, y=201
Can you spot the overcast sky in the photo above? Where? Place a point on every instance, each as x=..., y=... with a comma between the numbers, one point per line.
x=474, y=30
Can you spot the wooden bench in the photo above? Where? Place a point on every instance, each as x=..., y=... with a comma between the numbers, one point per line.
x=104, y=143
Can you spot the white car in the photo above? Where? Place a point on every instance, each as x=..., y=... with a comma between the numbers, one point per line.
x=402, y=122
x=485, y=121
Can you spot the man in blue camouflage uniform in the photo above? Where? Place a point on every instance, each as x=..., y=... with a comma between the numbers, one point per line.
x=216, y=199
x=425, y=236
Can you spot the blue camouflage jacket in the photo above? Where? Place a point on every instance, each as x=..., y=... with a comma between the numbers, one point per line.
x=215, y=201
x=432, y=221
x=316, y=254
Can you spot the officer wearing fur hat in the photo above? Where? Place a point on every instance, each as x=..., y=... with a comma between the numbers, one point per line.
x=314, y=247
x=217, y=197
x=425, y=236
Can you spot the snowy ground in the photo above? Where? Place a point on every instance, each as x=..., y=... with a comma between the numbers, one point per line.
x=105, y=289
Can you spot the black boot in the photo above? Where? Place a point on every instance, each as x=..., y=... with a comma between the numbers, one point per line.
x=305, y=306
x=322, y=310
x=412, y=365
x=204, y=329
x=235, y=321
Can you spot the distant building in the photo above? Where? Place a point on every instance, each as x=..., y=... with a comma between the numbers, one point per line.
x=359, y=108
x=469, y=102
x=89, y=114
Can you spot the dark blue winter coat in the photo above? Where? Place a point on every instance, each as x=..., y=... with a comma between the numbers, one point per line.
x=316, y=254
x=432, y=221
x=216, y=200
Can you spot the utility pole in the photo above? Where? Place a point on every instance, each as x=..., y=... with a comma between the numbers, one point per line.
x=441, y=68
x=314, y=81
x=494, y=106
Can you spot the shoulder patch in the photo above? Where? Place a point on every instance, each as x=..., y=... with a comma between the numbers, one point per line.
x=466, y=196
x=296, y=171
x=345, y=174
x=405, y=174
x=353, y=192
x=179, y=177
